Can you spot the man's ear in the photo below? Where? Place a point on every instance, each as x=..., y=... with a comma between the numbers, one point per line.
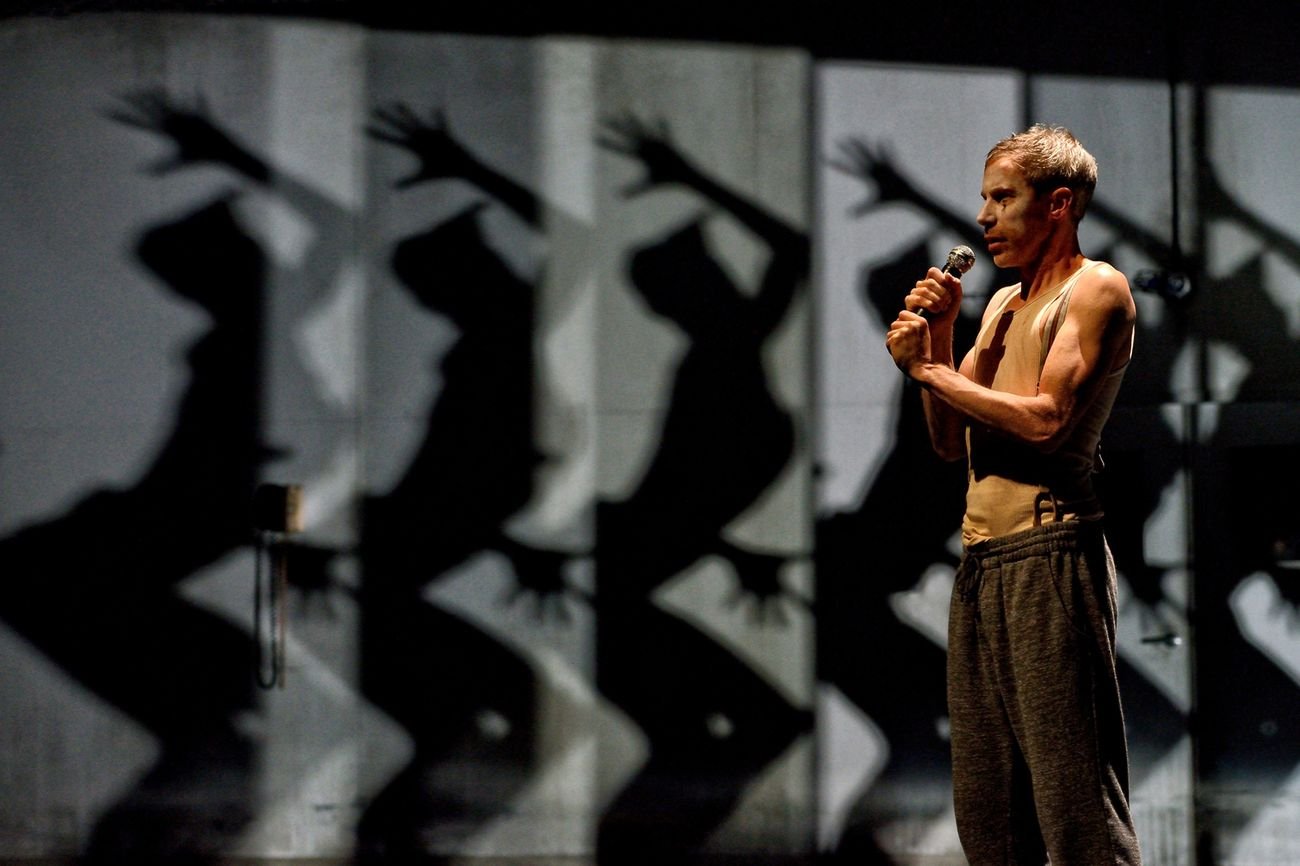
x=1060, y=203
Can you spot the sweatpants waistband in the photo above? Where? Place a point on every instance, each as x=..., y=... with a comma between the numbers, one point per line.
x=1048, y=538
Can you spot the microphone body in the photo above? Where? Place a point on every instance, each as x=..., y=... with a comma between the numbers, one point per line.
x=960, y=260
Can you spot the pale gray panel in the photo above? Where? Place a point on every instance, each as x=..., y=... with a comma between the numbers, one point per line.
x=478, y=419
x=740, y=116
x=96, y=369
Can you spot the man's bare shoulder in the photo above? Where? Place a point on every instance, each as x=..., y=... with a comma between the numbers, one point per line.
x=1104, y=289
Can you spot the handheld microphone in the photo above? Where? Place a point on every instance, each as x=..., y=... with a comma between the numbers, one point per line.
x=960, y=260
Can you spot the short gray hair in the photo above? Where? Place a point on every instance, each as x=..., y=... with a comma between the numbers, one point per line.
x=1051, y=157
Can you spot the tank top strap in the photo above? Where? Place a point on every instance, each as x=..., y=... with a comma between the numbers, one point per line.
x=1062, y=302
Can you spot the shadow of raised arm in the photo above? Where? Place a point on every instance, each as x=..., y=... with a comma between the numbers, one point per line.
x=666, y=165
x=196, y=136
x=876, y=168
x=200, y=140
x=442, y=157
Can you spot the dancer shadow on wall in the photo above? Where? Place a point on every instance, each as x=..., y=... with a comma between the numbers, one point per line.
x=1142, y=453
x=100, y=599
x=1265, y=339
x=1249, y=598
x=903, y=526
x=1247, y=590
x=1248, y=603
x=886, y=667
x=1243, y=516
x=468, y=701
x=94, y=590
x=712, y=722
x=1141, y=457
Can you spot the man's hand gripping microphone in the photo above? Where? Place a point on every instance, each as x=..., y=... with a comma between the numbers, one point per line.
x=960, y=260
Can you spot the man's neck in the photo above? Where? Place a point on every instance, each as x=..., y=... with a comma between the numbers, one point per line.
x=1054, y=267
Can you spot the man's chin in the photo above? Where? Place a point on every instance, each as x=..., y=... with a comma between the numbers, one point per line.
x=1002, y=260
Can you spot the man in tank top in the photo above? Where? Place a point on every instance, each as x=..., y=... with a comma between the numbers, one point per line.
x=1040, y=764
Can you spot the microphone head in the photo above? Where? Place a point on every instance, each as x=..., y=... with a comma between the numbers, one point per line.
x=960, y=259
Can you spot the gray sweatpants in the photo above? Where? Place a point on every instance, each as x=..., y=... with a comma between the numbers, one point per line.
x=1040, y=762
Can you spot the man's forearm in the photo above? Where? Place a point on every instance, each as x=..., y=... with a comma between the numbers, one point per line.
x=947, y=427
x=945, y=424
x=1036, y=421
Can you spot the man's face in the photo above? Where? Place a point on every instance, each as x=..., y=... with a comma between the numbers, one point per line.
x=1014, y=216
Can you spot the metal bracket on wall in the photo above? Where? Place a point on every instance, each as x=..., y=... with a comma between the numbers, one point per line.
x=277, y=514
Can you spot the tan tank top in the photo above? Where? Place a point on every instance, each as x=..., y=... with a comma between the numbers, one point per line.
x=1012, y=486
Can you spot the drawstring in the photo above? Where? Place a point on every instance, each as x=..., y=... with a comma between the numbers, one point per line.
x=970, y=578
